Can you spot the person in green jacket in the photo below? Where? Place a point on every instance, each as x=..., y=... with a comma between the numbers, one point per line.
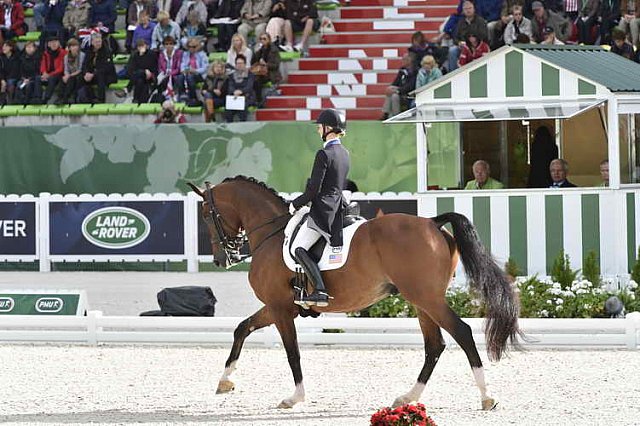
x=482, y=178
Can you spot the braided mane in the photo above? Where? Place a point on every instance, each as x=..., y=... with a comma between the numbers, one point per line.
x=254, y=181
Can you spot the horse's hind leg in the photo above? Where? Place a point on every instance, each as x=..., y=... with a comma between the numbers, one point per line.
x=433, y=347
x=260, y=319
x=446, y=318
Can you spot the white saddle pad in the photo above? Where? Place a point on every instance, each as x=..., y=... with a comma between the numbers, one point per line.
x=332, y=257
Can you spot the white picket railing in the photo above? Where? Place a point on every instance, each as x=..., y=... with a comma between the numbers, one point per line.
x=96, y=328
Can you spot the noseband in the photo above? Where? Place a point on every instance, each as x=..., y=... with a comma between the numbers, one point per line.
x=231, y=245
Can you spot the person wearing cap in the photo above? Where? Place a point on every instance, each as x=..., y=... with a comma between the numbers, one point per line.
x=518, y=25
x=142, y=70
x=470, y=21
x=72, y=77
x=473, y=49
x=51, y=67
x=550, y=37
x=543, y=18
x=324, y=192
x=630, y=20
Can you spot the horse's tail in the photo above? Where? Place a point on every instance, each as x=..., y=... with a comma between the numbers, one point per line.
x=490, y=281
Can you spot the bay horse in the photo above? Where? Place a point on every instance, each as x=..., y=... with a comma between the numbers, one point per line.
x=412, y=255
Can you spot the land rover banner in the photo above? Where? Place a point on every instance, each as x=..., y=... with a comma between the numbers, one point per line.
x=112, y=228
x=17, y=228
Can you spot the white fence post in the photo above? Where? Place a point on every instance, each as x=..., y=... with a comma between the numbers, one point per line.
x=43, y=231
x=92, y=327
x=632, y=326
x=191, y=231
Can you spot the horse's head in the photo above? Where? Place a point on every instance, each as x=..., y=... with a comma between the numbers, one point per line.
x=225, y=228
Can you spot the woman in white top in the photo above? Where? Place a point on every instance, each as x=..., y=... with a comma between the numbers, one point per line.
x=238, y=46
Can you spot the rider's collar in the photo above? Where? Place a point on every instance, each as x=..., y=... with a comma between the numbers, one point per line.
x=331, y=142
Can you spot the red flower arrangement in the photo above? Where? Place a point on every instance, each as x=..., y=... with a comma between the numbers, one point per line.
x=405, y=415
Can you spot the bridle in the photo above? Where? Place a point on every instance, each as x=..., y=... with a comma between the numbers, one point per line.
x=231, y=245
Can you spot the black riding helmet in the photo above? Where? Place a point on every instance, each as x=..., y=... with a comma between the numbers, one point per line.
x=334, y=119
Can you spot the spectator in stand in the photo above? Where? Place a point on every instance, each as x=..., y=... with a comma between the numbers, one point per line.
x=553, y=5
x=428, y=72
x=275, y=26
x=229, y=10
x=51, y=67
x=609, y=16
x=38, y=14
x=11, y=20
x=397, y=93
x=543, y=150
x=169, y=115
x=240, y=83
x=193, y=70
x=254, y=16
x=586, y=21
x=482, y=177
x=266, y=59
x=133, y=16
x=214, y=90
x=558, y=169
x=523, y=39
x=98, y=70
x=103, y=14
x=518, y=25
x=491, y=12
x=238, y=47
x=420, y=47
x=543, y=18
x=473, y=49
x=10, y=68
x=53, y=14
x=620, y=45
x=142, y=70
x=550, y=37
x=171, y=6
x=302, y=15
x=72, y=77
x=76, y=16
x=188, y=7
x=630, y=20
x=144, y=29
x=470, y=21
x=604, y=173
x=169, y=63
x=166, y=27
x=29, y=89
x=194, y=29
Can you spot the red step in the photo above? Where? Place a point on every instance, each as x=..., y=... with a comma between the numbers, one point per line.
x=302, y=77
x=361, y=3
x=349, y=64
x=387, y=51
x=290, y=114
x=378, y=13
x=303, y=102
x=315, y=90
x=386, y=25
x=368, y=38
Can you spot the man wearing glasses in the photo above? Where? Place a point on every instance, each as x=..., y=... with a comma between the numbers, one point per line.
x=254, y=15
x=193, y=70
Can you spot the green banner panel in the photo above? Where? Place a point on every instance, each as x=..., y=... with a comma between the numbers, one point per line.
x=39, y=304
x=162, y=158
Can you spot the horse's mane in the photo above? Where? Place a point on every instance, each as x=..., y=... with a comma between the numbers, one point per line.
x=255, y=181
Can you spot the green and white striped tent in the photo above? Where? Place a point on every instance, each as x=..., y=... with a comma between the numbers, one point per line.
x=529, y=82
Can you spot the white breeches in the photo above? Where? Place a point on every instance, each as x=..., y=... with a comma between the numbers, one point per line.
x=306, y=237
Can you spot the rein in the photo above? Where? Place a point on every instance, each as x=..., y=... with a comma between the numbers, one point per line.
x=232, y=245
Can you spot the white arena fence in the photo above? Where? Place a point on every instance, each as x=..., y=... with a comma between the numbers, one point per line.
x=326, y=330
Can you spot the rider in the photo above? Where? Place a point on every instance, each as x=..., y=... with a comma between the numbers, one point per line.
x=324, y=191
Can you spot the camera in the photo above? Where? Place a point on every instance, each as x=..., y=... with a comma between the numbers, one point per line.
x=168, y=116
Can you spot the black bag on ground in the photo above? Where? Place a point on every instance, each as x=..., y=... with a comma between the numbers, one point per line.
x=187, y=301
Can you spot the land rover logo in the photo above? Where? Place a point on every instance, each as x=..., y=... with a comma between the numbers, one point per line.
x=49, y=304
x=6, y=304
x=115, y=227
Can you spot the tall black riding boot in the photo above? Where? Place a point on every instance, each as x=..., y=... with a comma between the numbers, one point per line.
x=319, y=297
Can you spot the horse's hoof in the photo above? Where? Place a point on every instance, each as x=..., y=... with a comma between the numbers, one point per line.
x=225, y=386
x=286, y=403
x=489, y=404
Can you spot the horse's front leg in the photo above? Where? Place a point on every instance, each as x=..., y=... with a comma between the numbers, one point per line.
x=260, y=319
x=287, y=330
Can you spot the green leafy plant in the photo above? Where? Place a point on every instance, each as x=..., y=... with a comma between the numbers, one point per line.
x=591, y=268
x=393, y=306
x=561, y=271
x=635, y=271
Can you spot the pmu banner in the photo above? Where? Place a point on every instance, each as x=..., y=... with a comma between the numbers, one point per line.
x=18, y=228
x=369, y=209
x=116, y=227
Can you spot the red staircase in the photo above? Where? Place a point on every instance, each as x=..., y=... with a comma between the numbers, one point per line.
x=352, y=70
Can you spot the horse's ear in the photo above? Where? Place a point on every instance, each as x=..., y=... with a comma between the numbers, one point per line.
x=196, y=189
